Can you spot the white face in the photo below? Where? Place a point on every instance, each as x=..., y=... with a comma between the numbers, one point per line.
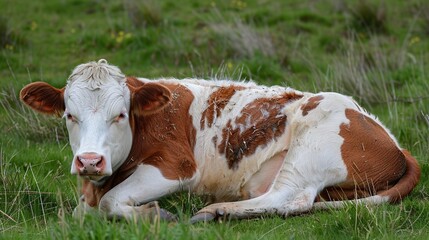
x=99, y=129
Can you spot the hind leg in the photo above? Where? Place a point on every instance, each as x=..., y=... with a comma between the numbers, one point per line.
x=304, y=173
x=267, y=204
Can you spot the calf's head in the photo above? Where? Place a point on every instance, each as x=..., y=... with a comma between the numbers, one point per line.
x=99, y=105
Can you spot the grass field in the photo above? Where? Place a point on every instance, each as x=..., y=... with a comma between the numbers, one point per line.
x=375, y=51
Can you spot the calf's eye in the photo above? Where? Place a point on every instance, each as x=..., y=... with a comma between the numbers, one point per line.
x=120, y=117
x=70, y=117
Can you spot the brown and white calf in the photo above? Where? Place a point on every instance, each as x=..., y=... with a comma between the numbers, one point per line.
x=254, y=149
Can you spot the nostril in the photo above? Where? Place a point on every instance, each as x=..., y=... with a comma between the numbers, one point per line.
x=99, y=164
x=79, y=163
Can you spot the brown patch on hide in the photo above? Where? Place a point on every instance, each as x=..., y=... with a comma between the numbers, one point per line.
x=373, y=160
x=216, y=103
x=166, y=139
x=311, y=104
x=259, y=123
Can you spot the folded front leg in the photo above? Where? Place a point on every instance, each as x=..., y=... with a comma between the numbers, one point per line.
x=127, y=199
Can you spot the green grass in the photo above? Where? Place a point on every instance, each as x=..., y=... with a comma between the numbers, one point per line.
x=373, y=50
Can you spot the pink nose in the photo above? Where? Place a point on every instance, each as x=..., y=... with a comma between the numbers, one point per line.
x=90, y=164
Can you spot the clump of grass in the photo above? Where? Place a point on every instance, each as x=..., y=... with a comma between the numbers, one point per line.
x=367, y=72
x=143, y=13
x=97, y=227
x=426, y=117
x=27, y=124
x=369, y=18
x=242, y=39
x=423, y=11
x=174, y=46
x=8, y=37
x=24, y=198
x=366, y=222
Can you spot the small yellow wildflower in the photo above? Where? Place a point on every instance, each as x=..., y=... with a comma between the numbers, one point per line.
x=120, y=37
x=229, y=65
x=238, y=4
x=414, y=40
x=128, y=35
x=9, y=47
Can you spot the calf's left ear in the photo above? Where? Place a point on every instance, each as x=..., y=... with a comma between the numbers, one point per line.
x=149, y=98
x=44, y=98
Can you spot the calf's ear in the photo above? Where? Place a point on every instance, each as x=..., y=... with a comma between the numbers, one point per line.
x=44, y=98
x=149, y=98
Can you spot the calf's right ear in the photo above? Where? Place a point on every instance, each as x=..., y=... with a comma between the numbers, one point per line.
x=44, y=98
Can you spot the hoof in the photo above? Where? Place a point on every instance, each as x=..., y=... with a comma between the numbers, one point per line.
x=152, y=211
x=202, y=217
x=167, y=216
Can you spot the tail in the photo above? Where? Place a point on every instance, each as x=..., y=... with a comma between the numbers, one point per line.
x=394, y=194
x=408, y=181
